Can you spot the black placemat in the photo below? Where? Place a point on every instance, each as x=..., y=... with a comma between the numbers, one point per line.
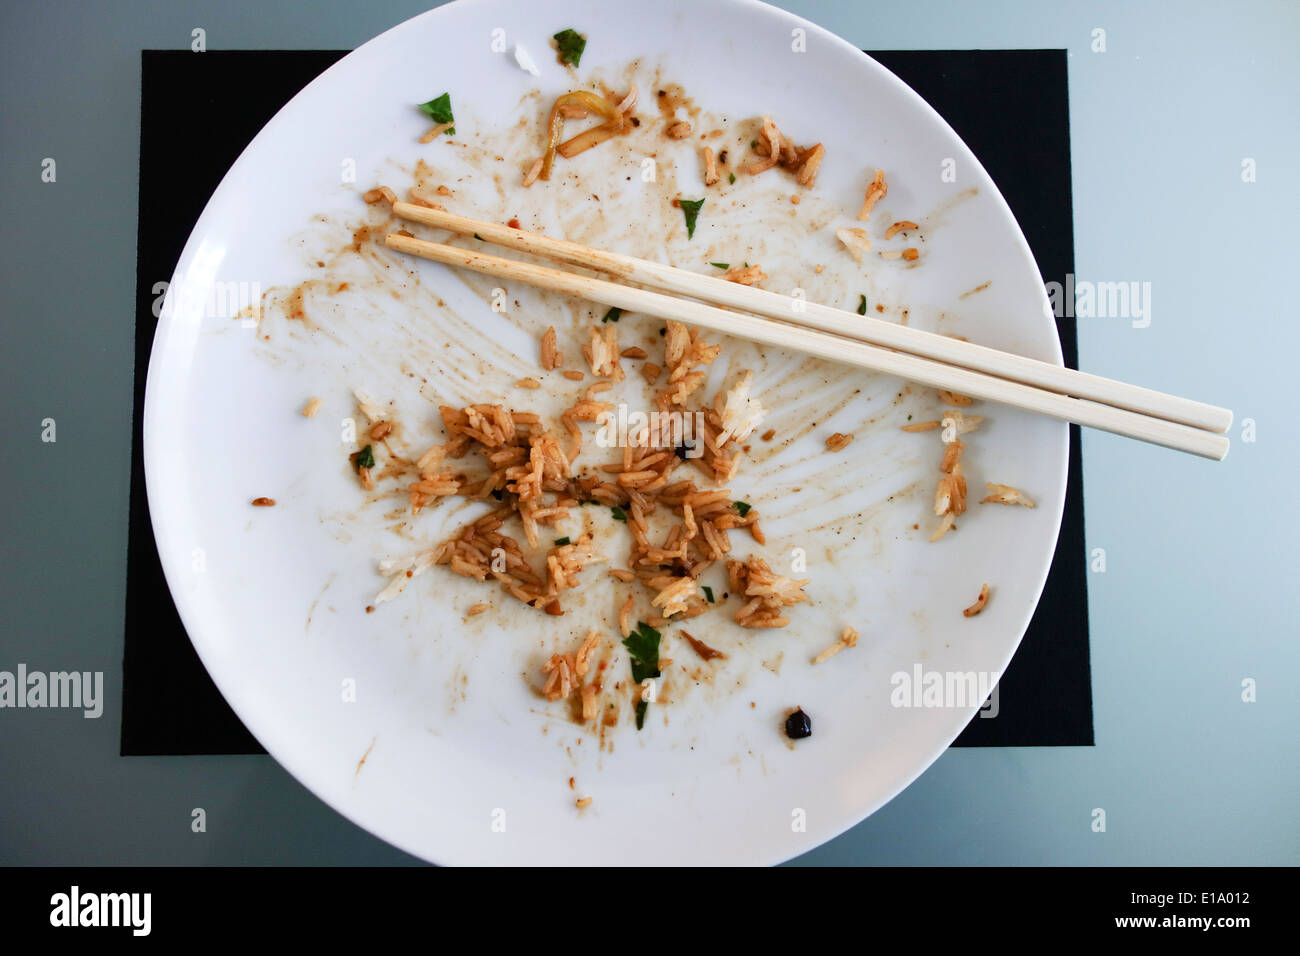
x=1010, y=106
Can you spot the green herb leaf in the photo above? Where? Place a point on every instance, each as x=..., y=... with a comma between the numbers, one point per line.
x=721, y=265
x=862, y=305
x=643, y=650
x=742, y=506
x=731, y=179
x=570, y=44
x=365, y=458
x=439, y=110
x=618, y=513
x=753, y=144
x=708, y=592
x=613, y=315
x=479, y=238
x=690, y=209
x=561, y=542
x=641, y=707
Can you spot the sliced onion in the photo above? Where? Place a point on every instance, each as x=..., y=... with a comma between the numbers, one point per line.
x=588, y=138
x=555, y=126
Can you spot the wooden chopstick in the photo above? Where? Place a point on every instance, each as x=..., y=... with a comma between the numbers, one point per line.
x=823, y=345
x=941, y=348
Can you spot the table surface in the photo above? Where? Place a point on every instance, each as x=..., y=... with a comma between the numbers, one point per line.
x=1190, y=607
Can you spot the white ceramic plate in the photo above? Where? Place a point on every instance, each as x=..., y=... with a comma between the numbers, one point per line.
x=463, y=761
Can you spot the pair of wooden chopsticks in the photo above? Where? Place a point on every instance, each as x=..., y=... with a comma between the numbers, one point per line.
x=924, y=357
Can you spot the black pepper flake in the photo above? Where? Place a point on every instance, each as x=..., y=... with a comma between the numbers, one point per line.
x=798, y=725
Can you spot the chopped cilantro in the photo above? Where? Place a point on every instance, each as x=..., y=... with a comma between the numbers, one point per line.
x=643, y=650
x=365, y=458
x=570, y=44
x=708, y=592
x=613, y=315
x=561, y=542
x=690, y=209
x=618, y=513
x=862, y=305
x=641, y=707
x=479, y=238
x=753, y=144
x=439, y=110
x=721, y=265
x=742, y=507
x=731, y=179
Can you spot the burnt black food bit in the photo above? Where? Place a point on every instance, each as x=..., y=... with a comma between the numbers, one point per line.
x=798, y=725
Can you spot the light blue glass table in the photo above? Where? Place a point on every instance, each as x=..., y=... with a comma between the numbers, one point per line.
x=1198, y=592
